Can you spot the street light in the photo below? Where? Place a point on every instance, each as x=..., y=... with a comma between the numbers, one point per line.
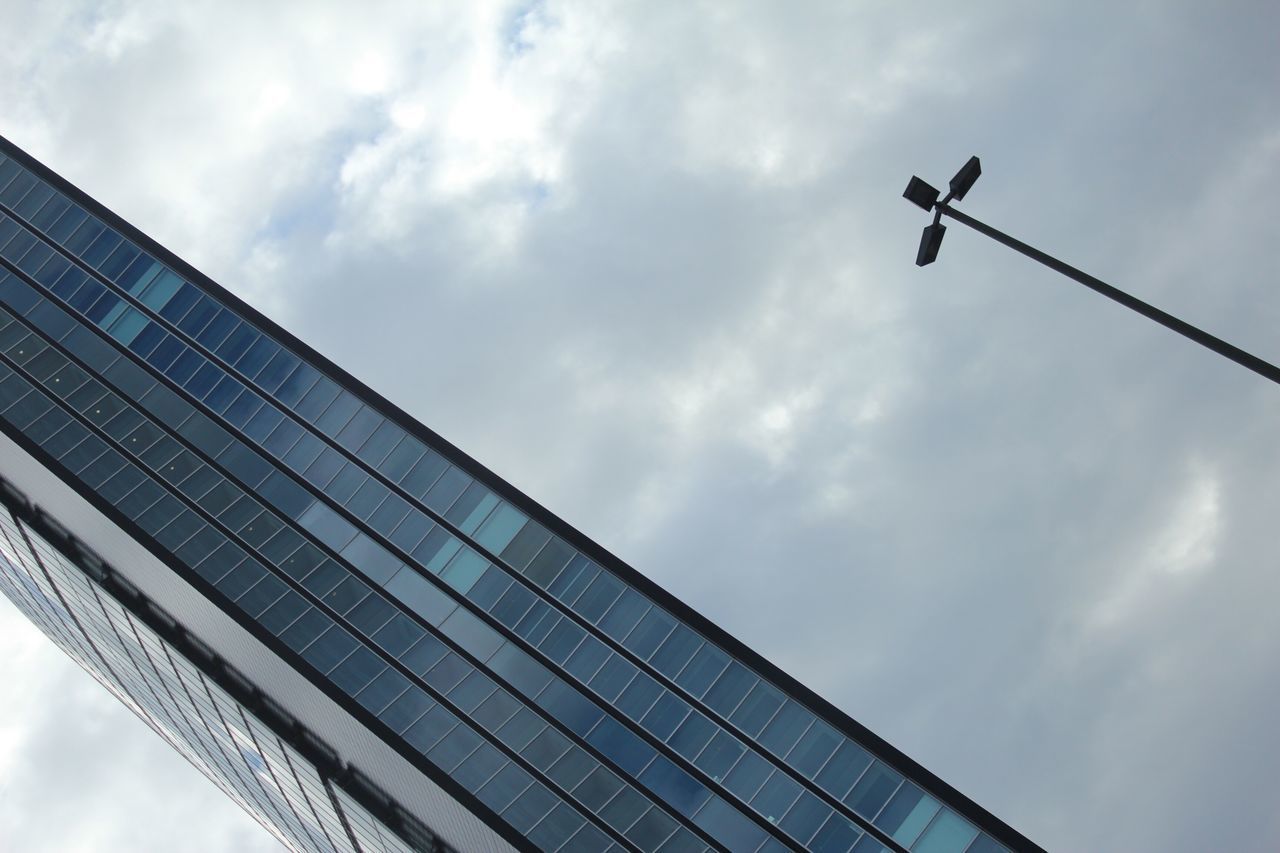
x=925, y=196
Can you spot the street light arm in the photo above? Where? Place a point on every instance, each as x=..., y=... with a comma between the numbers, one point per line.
x=1239, y=356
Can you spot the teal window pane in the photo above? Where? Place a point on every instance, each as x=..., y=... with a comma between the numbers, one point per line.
x=949, y=833
x=500, y=528
x=437, y=549
x=907, y=814
x=469, y=524
x=464, y=570
x=161, y=290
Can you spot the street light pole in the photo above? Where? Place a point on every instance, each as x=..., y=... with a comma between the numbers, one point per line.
x=925, y=196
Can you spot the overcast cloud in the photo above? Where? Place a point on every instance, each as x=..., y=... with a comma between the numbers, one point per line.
x=650, y=262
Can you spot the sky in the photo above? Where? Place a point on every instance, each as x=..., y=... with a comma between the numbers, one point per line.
x=650, y=262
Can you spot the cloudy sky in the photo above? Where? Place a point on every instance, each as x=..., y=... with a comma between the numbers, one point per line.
x=650, y=262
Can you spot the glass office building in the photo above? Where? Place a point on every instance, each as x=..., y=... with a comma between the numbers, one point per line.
x=365, y=637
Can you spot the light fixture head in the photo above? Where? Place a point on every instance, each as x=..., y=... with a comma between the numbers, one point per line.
x=920, y=194
x=964, y=178
x=930, y=242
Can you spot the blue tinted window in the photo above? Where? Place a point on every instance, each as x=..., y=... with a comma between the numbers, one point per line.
x=330, y=649
x=339, y=411
x=218, y=329
x=317, y=399
x=403, y=712
x=400, y=460
x=411, y=530
x=729, y=826
x=721, y=754
x=836, y=836
x=873, y=790
x=514, y=603
x=430, y=728
x=371, y=614
x=675, y=786
x=424, y=655
x=843, y=769
x=546, y=748
x=529, y=807
x=653, y=629
x=423, y=474
x=692, y=735
x=666, y=714
x=178, y=304
x=562, y=640
x=305, y=629
x=569, y=707
x=598, y=597
x=730, y=689
x=382, y=690
x=236, y=344
x=639, y=696
x=491, y=586
x=747, y=775
x=367, y=498
x=255, y=358
x=355, y=673
x=676, y=651
x=389, y=514
x=570, y=583
x=624, y=614
x=813, y=749
x=499, y=707
x=598, y=788
x=379, y=444
x=359, y=428
x=436, y=549
x=282, y=437
x=775, y=797
x=587, y=658
x=303, y=453
x=67, y=223
x=297, y=384
x=806, y=817
x=500, y=791
x=521, y=729
x=449, y=672
x=446, y=490
x=785, y=728
x=198, y=316
x=907, y=814
x=277, y=370
x=757, y=709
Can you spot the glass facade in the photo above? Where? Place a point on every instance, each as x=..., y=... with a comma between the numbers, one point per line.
x=267, y=768
x=563, y=697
